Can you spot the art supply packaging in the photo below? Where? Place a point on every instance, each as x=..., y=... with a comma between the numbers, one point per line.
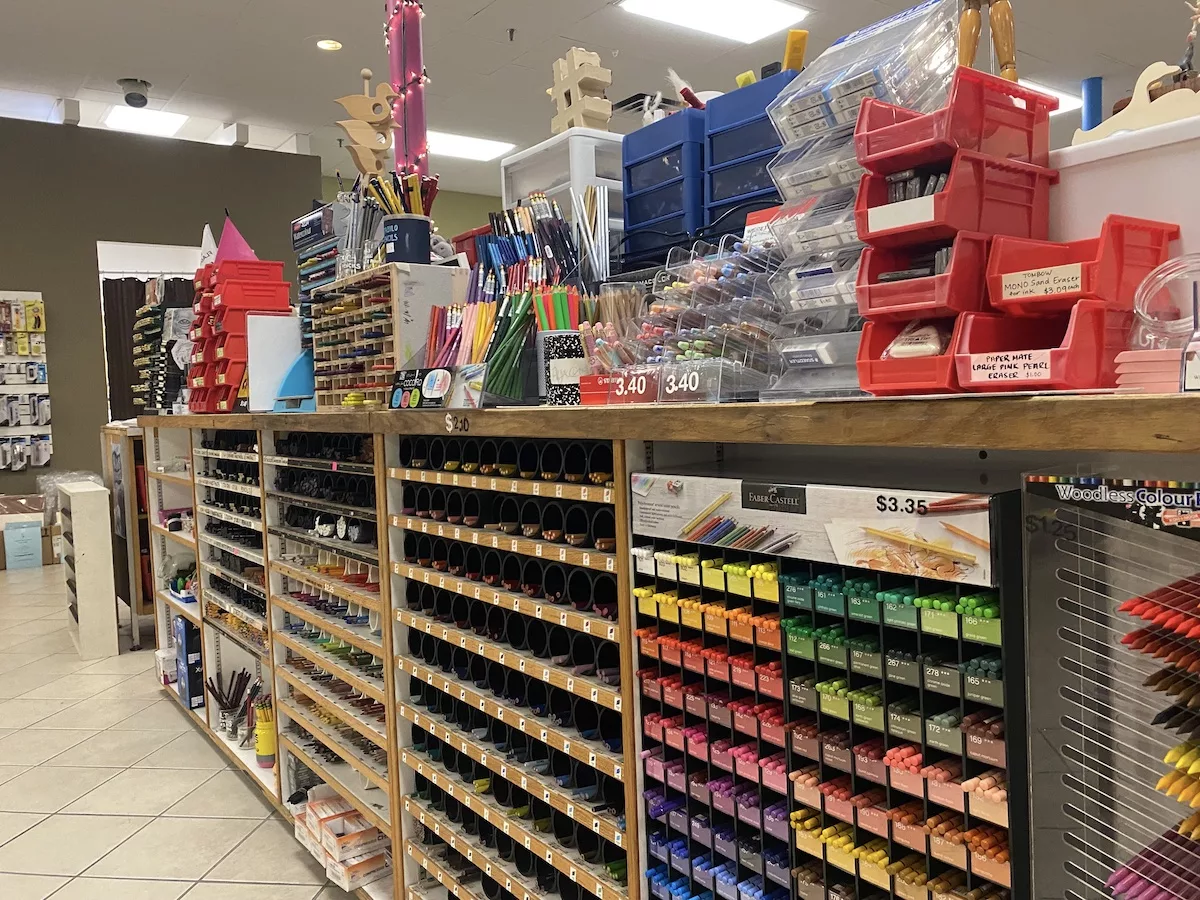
x=352, y=836
x=358, y=871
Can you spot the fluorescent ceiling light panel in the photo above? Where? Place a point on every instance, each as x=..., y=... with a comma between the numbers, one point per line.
x=144, y=121
x=1066, y=102
x=746, y=21
x=462, y=147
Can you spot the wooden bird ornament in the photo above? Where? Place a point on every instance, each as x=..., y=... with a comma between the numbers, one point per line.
x=369, y=130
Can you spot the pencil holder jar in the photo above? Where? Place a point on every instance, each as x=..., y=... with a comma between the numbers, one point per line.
x=406, y=238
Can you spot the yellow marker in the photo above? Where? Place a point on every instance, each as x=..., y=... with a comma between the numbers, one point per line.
x=745, y=79
x=797, y=43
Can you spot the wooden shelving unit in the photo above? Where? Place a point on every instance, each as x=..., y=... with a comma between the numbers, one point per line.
x=351, y=315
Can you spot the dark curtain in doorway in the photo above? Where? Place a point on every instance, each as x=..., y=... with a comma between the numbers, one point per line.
x=122, y=298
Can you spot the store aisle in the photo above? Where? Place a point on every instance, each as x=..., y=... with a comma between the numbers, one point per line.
x=106, y=788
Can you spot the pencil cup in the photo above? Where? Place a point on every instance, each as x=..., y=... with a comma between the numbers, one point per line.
x=406, y=238
x=560, y=362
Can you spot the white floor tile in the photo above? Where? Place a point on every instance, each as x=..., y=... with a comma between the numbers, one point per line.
x=135, y=792
x=125, y=664
x=95, y=713
x=50, y=663
x=75, y=686
x=190, y=750
x=20, y=681
x=111, y=749
x=154, y=852
x=47, y=790
x=14, y=823
x=121, y=889
x=160, y=715
x=10, y=662
x=66, y=845
x=271, y=854
x=28, y=887
x=227, y=794
x=225, y=891
x=140, y=686
x=9, y=772
x=23, y=712
x=33, y=746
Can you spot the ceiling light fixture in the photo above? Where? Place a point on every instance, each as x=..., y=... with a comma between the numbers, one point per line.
x=1066, y=102
x=329, y=44
x=144, y=121
x=462, y=147
x=746, y=21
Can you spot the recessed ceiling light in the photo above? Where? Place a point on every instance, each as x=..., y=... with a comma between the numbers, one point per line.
x=144, y=121
x=462, y=147
x=747, y=21
x=329, y=44
x=1066, y=102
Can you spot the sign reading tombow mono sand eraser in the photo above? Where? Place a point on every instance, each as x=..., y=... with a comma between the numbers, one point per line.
x=1043, y=282
x=927, y=535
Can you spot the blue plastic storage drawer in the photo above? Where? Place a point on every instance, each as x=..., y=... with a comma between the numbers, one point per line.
x=744, y=205
x=683, y=195
x=756, y=136
x=741, y=106
x=665, y=232
x=685, y=159
x=740, y=178
x=685, y=126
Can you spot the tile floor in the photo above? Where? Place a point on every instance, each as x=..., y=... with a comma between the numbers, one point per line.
x=107, y=790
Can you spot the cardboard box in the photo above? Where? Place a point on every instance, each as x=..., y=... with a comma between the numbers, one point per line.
x=351, y=836
x=357, y=871
x=326, y=810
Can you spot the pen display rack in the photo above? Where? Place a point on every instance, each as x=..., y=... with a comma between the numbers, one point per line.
x=332, y=637
x=25, y=430
x=514, y=664
x=353, y=340
x=824, y=724
x=233, y=606
x=1112, y=580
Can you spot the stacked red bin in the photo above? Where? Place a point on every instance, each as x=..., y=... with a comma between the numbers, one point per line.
x=939, y=187
x=226, y=293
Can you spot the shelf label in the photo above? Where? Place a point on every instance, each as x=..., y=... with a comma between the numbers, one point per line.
x=1066, y=279
x=1023, y=365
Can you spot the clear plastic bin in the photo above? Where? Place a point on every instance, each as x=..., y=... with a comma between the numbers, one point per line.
x=820, y=291
x=680, y=196
x=823, y=222
x=686, y=159
x=821, y=365
x=740, y=178
x=816, y=165
x=756, y=136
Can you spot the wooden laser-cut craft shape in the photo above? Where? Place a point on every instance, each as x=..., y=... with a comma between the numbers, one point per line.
x=1004, y=39
x=578, y=92
x=370, y=128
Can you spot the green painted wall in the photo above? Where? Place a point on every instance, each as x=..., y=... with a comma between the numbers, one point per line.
x=453, y=212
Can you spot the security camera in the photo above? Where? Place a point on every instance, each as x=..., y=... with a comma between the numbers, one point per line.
x=136, y=91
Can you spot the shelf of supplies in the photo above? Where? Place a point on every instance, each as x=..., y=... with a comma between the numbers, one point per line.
x=603, y=824
x=254, y=556
x=189, y=611
x=27, y=358
x=263, y=653
x=364, y=553
x=237, y=487
x=491, y=812
x=580, y=685
x=186, y=538
x=331, y=740
x=555, y=490
x=373, y=803
x=344, y=509
x=24, y=388
x=332, y=704
x=184, y=479
x=573, y=745
x=235, y=455
x=331, y=665
x=566, y=616
x=362, y=321
x=573, y=556
x=483, y=858
x=329, y=585
x=24, y=430
x=233, y=518
x=357, y=635
x=340, y=285
x=444, y=877
x=234, y=577
x=320, y=465
x=247, y=760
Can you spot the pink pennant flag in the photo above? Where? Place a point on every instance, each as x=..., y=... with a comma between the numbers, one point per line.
x=232, y=245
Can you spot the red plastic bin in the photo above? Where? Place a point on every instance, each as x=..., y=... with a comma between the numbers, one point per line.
x=959, y=289
x=225, y=398
x=983, y=112
x=1029, y=278
x=202, y=400
x=202, y=305
x=230, y=347
x=204, y=352
x=895, y=377
x=1075, y=351
x=269, y=296
x=465, y=242
x=248, y=270
x=204, y=276
x=229, y=373
x=983, y=194
x=202, y=375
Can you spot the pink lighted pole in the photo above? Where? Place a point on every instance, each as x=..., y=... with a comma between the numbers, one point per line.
x=407, y=69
